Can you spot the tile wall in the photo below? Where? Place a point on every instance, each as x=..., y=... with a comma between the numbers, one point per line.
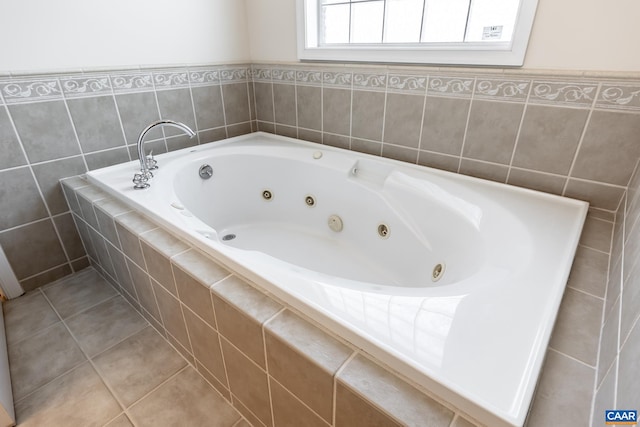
x=571, y=135
x=62, y=125
x=619, y=360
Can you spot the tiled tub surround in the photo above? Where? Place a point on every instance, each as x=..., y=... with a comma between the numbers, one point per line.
x=619, y=357
x=560, y=133
x=62, y=125
x=278, y=368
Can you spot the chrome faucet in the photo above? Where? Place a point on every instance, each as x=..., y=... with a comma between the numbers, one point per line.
x=141, y=180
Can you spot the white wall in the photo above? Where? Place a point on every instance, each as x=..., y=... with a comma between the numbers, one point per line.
x=567, y=34
x=70, y=34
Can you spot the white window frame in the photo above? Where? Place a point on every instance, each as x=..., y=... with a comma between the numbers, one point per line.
x=483, y=53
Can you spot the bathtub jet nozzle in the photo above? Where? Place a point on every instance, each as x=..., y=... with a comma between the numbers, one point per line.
x=335, y=223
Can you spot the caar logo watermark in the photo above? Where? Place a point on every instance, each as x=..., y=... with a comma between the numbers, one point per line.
x=621, y=417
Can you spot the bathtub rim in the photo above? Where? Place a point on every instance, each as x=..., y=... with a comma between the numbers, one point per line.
x=392, y=359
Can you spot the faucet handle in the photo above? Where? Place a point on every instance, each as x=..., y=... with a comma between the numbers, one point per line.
x=152, y=164
x=140, y=181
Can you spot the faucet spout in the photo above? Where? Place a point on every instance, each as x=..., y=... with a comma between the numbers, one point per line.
x=141, y=179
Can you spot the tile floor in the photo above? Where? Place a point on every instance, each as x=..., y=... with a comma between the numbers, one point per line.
x=80, y=355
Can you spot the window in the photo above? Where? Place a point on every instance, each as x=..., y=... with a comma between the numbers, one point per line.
x=473, y=32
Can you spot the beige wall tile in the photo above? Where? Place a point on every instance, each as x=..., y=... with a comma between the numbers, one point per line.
x=589, y=271
x=605, y=396
x=564, y=393
x=628, y=368
x=309, y=107
x=243, y=331
x=159, y=267
x=367, y=147
x=130, y=245
x=367, y=115
x=399, y=399
x=289, y=411
x=445, y=121
x=248, y=382
x=195, y=295
x=492, y=130
x=246, y=298
x=403, y=154
x=600, y=195
x=608, y=342
x=144, y=290
x=43, y=252
x=264, y=101
x=577, y=328
x=206, y=346
x=490, y=171
x=549, y=138
x=438, y=161
x=171, y=312
x=200, y=266
x=284, y=100
x=403, y=119
x=610, y=148
x=597, y=234
x=536, y=181
x=304, y=359
x=336, y=111
x=352, y=410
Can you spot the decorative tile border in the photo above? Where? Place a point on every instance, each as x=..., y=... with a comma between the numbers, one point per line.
x=206, y=77
x=283, y=75
x=619, y=96
x=84, y=86
x=234, y=75
x=132, y=82
x=369, y=81
x=405, y=83
x=260, y=74
x=309, y=77
x=512, y=90
x=15, y=91
x=451, y=86
x=170, y=79
x=545, y=92
x=339, y=79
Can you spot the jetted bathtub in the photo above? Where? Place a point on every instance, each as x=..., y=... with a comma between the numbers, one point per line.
x=452, y=281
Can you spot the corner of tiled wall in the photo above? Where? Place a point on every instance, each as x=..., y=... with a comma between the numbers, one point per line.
x=617, y=386
x=55, y=126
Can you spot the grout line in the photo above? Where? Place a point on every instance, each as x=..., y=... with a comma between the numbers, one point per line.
x=466, y=126
x=193, y=106
x=263, y=330
x=518, y=133
x=582, y=137
x=573, y=358
x=224, y=108
x=297, y=399
x=115, y=103
x=335, y=385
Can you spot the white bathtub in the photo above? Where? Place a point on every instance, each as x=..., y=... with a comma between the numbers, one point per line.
x=476, y=337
